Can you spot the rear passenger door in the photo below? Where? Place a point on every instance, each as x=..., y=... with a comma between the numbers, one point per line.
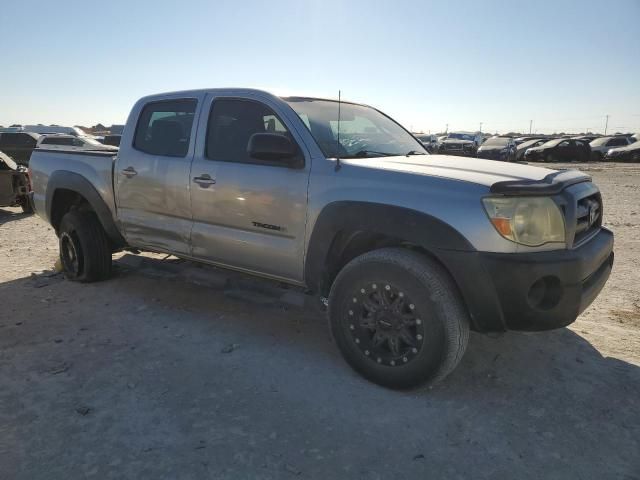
x=247, y=214
x=152, y=175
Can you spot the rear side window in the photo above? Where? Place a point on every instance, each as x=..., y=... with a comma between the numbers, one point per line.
x=58, y=141
x=164, y=128
x=231, y=124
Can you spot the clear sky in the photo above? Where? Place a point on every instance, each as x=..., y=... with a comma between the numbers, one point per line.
x=563, y=64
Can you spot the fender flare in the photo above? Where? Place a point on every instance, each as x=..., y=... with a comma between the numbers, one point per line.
x=439, y=239
x=62, y=179
x=392, y=221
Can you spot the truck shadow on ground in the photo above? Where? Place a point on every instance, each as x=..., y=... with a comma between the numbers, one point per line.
x=7, y=216
x=499, y=362
x=154, y=334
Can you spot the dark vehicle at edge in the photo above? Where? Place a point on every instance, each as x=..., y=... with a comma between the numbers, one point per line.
x=14, y=185
x=113, y=140
x=18, y=145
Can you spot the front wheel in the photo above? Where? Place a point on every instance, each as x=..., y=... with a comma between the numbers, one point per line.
x=397, y=318
x=85, y=252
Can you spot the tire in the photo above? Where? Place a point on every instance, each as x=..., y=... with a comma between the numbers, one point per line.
x=422, y=334
x=26, y=205
x=85, y=252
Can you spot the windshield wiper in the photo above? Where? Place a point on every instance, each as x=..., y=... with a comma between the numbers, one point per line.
x=414, y=152
x=366, y=153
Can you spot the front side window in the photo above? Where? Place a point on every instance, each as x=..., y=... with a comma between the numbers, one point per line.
x=164, y=128
x=231, y=124
x=364, y=131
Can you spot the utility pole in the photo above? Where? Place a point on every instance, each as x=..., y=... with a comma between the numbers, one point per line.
x=446, y=130
x=530, y=126
x=606, y=124
x=480, y=127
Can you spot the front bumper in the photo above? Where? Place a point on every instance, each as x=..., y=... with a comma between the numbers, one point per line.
x=532, y=291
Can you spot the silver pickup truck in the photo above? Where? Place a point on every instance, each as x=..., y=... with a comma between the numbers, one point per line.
x=408, y=251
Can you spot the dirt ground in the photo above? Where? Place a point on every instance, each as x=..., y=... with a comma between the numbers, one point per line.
x=173, y=371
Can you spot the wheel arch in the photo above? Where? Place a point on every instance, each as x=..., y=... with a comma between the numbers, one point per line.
x=346, y=229
x=66, y=190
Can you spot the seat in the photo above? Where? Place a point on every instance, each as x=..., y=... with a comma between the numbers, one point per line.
x=167, y=138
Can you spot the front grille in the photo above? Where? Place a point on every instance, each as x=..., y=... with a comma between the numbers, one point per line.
x=588, y=217
x=452, y=146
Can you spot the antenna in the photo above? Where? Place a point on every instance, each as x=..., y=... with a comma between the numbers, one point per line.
x=338, y=165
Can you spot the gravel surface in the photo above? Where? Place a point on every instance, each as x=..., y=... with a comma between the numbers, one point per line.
x=170, y=370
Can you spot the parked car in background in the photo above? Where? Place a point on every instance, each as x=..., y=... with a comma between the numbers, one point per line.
x=588, y=138
x=11, y=129
x=461, y=143
x=531, y=143
x=14, y=184
x=18, y=145
x=558, y=150
x=498, y=148
x=113, y=140
x=600, y=146
x=69, y=142
x=50, y=129
x=629, y=153
x=407, y=251
x=429, y=141
x=521, y=140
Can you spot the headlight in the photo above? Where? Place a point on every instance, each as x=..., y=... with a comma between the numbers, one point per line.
x=531, y=221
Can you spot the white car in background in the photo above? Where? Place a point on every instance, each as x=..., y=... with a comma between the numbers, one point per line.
x=51, y=129
x=600, y=146
x=71, y=142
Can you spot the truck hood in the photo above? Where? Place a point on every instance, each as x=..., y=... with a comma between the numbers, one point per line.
x=478, y=171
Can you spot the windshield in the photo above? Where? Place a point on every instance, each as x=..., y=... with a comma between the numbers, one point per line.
x=462, y=136
x=600, y=141
x=91, y=141
x=552, y=143
x=364, y=131
x=496, y=142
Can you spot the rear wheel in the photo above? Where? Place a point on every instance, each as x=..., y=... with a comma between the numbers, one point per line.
x=85, y=252
x=397, y=318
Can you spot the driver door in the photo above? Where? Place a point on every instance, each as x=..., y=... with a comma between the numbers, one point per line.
x=247, y=214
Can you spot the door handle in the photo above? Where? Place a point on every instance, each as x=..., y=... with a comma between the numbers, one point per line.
x=204, y=180
x=129, y=172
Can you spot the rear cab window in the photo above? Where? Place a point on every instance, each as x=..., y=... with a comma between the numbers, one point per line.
x=164, y=127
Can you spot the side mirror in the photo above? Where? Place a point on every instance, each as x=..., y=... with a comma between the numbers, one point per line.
x=272, y=147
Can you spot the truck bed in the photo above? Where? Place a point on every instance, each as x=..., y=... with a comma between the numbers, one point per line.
x=94, y=166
